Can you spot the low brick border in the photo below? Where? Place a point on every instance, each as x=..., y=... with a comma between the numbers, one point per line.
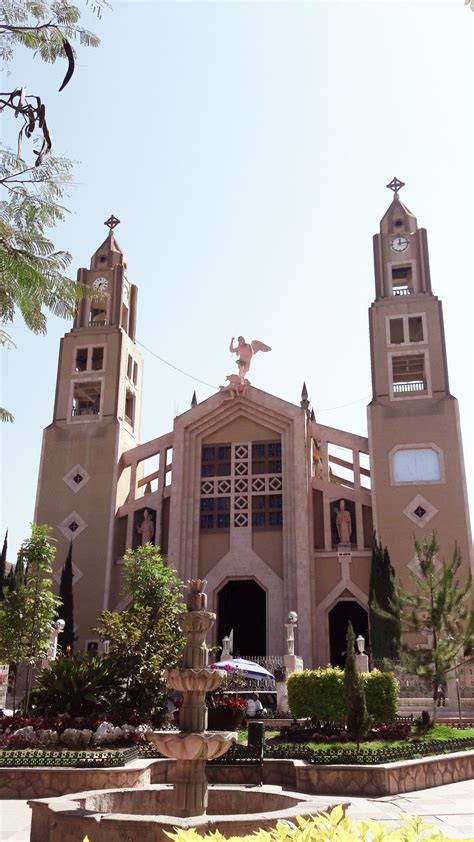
x=296, y=775
x=102, y=816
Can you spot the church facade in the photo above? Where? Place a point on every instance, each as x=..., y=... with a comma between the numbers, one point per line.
x=248, y=491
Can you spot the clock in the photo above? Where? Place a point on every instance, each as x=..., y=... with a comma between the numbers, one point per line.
x=100, y=284
x=400, y=243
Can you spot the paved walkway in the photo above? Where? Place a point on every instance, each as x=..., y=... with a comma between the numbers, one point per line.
x=449, y=808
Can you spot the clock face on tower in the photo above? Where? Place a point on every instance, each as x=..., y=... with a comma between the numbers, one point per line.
x=100, y=284
x=399, y=243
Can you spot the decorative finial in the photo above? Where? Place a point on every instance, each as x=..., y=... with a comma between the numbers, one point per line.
x=312, y=416
x=395, y=185
x=112, y=221
x=193, y=400
x=304, y=402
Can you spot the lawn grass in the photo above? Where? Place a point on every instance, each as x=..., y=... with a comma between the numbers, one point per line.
x=439, y=732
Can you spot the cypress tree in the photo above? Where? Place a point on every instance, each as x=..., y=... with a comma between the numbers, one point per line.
x=384, y=620
x=3, y=565
x=358, y=720
x=66, y=609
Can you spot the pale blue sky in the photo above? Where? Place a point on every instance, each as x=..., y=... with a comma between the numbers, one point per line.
x=246, y=147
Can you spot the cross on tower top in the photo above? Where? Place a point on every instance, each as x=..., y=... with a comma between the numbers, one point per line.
x=395, y=185
x=112, y=221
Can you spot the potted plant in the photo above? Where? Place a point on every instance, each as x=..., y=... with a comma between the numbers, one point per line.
x=225, y=713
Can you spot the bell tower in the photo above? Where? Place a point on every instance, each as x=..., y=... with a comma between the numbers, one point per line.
x=96, y=418
x=418, y=480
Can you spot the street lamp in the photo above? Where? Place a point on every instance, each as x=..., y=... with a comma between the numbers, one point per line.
x=360, y=643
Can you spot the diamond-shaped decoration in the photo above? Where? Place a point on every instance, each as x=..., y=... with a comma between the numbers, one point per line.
x=241, y=503
x=241, y=519
x=241, y=485
x=414, y=565
x=76, y=478
x=241, y=451
x=258, y=484
x=275, y=483
x=241, y=469
x=72, y=526
x=223, y=486
x=420, y=511
x=76, y=575
x=207, y=487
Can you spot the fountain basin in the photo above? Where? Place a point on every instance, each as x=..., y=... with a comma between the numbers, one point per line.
x=202, y=680
x=206, y=745
x=144, y=814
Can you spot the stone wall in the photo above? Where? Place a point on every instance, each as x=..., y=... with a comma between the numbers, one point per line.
x=294, y=775
x=45, y=782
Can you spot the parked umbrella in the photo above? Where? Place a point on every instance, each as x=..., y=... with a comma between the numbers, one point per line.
x=248, y=668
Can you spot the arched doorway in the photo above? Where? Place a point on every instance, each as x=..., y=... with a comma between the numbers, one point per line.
x=241, y=605
x=344, y=612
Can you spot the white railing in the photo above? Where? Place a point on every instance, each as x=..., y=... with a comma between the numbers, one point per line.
x=413, y=386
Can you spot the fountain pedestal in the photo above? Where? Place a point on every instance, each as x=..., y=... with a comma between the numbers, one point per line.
x=193, y=745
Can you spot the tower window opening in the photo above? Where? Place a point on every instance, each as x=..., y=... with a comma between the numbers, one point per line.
x=408, y=374
x=396, y=332
x=129, y=367
x=81, y=359
x=135, y=373
x=402, y=280
x=98, y=317
x=98, y=358
x=124, y=319
x=130, y=407
x=398, y=223
x=415, y=329
x=86, y=399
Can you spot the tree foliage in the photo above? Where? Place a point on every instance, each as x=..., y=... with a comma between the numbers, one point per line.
x=384, y=621
x=28, y=611
x=358, y=720
x=145, y=638
x=32, y=271
x=438, y=607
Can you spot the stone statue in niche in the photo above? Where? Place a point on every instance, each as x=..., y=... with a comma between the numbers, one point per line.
x=343, y=523
x=146, y=529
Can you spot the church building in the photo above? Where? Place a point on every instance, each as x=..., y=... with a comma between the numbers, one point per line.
x=249, y=491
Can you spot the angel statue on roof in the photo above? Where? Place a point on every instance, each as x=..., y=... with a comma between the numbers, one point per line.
x=245, y=351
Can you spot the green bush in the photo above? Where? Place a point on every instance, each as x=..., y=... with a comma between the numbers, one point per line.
x=73, y=685
x=319, y=694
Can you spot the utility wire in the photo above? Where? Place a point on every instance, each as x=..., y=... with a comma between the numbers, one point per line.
x=211, y=385
x=186, y=373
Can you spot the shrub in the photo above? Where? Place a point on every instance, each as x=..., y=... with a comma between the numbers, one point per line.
x=73, y=685
x=319, y=694
x=327, y=826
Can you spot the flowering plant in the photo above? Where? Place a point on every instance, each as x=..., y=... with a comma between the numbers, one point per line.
x=229, y=702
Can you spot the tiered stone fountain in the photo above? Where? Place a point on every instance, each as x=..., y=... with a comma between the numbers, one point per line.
x=149, y=811
x=193, y=745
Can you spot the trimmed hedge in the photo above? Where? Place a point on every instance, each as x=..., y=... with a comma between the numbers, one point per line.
x=71, y=759
x=319, y=695
x=411, y=750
